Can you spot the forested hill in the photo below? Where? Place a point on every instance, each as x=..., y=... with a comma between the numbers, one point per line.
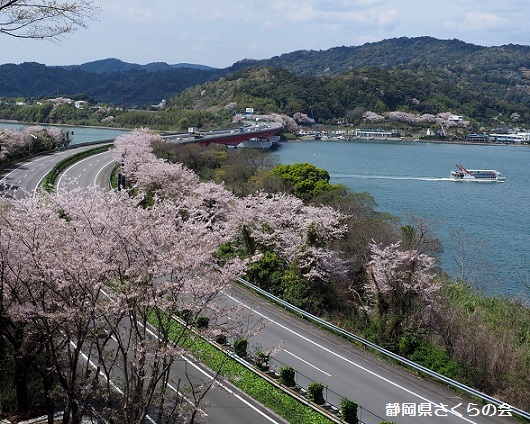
x=137, y=86
x=347, y=96
x=502, y=72
x=401, y=53
x=116, y=65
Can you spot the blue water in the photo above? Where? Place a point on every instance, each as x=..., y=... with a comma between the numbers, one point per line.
x=80, y=134
x=412, y=178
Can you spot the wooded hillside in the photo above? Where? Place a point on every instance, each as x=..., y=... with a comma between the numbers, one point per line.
x=423, y=75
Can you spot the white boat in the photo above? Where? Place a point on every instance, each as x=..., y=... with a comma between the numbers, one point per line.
x=259, y=143
x=483, y=175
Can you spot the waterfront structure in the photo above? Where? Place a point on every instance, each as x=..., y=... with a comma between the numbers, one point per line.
x=479, y=138
x=376, y=133
x=517, y=138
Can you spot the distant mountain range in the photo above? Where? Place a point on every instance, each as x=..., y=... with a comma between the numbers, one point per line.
x=106, y=81
x=502, y=72
x=117, y=65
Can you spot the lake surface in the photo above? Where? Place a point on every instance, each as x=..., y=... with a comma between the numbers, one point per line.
x=413, y=178
x=80, y=134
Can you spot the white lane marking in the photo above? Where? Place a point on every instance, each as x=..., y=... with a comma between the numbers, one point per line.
x=101, y=170
x=94, y=366
x=231, y=392
x=307, y=363
x=201, y=411
x=351, y=362
x=60, y=180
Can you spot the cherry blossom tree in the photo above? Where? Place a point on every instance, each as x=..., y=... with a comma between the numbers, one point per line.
x=301, y=236
x=303, y=118
x=402, y=287
x=17, y=143
x=86, y=275
x=44, y=19
x=90, y=271
x=208, y=203
x=373, y=117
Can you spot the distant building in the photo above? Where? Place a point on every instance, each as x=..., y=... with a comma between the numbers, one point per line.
x=479, y=138
x=518, y=138
x=80, y=104
x=161, y=105
x=58, y=100
x=373, y=132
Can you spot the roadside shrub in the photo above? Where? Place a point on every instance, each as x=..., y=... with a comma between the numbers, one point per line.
x=348, y=409
x=240, y=347
x=221, y=339
x=315, y=393
x=202, y=322
x=287, y=375
x=437, y=360
x=261, y=360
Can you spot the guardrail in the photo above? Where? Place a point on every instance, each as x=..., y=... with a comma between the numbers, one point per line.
x=441, y=378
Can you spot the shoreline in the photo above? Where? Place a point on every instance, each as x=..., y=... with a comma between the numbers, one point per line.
x=12, y=121
x=398, y=140
x=298, y=139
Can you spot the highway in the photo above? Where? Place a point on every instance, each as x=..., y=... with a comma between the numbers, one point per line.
x=352, y=372
x=25, y=177
x=228, y=137
x=383, y=390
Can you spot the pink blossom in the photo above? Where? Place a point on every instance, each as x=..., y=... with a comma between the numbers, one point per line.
x=299, y=234
x=395, y=272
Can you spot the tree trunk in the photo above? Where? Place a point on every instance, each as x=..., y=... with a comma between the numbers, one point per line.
x=21, y=384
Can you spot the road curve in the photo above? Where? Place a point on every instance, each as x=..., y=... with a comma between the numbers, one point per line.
x=24, y=178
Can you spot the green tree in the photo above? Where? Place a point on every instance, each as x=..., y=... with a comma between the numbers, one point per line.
x=267, y=273
x=306, y=180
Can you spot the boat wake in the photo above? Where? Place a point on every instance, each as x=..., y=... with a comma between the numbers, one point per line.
x=388, y=177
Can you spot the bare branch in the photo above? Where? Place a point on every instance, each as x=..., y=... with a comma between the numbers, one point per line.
x=44, y=19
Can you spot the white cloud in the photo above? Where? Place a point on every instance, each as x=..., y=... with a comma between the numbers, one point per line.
x=132, y=11
x=221, y=32
x=476, y=20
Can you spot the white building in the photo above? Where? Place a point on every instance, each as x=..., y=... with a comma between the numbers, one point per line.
x=518, y=138
x=373, y=133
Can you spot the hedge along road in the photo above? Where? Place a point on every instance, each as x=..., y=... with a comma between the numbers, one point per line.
x=387, y=391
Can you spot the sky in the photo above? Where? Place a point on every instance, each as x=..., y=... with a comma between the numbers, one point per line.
x=219, y=33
